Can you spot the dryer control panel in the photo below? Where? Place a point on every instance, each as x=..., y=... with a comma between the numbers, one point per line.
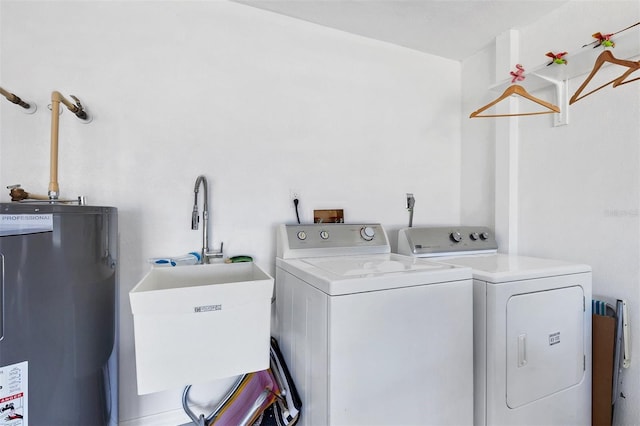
x=331, y=239
x=446, y=240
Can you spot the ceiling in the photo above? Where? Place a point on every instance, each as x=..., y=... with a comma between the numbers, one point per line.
x=454, y=29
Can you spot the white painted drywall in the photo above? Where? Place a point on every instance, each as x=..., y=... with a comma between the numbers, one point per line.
x=259, y=103
x=478, y=142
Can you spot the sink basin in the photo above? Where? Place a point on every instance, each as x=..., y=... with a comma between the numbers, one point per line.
x=199, y=323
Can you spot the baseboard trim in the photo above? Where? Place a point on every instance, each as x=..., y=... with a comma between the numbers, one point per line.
x=168, y=418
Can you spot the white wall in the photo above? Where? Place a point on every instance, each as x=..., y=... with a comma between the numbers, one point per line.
x=578, y=185
x=259, y=103
x=478, y=142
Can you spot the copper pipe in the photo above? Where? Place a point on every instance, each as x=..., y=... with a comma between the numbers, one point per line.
x=54, y=189
x=56, y=99
x=13, y=98
x=19, y=194
x=74, y=108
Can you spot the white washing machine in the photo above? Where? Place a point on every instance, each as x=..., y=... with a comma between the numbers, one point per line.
x=532, y=328
x=372, y=337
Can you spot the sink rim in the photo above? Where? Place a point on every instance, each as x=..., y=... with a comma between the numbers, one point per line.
x=161, y=278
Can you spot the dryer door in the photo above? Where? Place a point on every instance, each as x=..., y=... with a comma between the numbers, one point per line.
x=545, y=343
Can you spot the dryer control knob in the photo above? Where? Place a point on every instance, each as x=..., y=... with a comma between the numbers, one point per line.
x=324, y=235
x=367, y=233
x=484, y=236
x=456, y=237
x=302, y=235
x=474, y=236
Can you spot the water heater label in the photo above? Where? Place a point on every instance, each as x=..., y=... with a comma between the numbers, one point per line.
x=13, y=394
x=21, y=224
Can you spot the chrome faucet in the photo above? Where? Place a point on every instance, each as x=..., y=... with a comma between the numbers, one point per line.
x=205, y=254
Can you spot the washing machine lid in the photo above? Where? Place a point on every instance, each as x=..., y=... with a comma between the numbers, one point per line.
x=360, y=273
x=499, y=267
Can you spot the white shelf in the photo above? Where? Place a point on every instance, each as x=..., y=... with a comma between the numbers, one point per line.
x=579, y=63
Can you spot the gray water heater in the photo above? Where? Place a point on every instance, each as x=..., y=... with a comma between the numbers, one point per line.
x=58, y=322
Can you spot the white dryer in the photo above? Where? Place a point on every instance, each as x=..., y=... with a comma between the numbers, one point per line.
x=532, y=328
x=372, y=337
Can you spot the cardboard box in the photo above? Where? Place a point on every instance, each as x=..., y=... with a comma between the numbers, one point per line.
x=199, y=323
x=602, y=385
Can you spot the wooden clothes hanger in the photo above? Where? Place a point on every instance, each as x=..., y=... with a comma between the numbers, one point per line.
x=621, y=80
x=516, y=89
x=604, y=57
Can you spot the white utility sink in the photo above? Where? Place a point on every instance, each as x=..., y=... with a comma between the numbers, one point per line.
x=199, y=323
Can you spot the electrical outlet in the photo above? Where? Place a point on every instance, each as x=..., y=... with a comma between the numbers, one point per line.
x=293, y=194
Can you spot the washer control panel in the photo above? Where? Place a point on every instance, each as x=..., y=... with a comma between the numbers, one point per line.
x=327, y=239
x=443, y=241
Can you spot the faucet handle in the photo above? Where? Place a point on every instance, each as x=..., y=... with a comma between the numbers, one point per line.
x=214, y=254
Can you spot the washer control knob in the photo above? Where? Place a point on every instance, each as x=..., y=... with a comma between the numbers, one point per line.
x=474, y=236
x=456, y=237
x=302, y=235
x=324, y=235
x=484, y=236
x=367, y=233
